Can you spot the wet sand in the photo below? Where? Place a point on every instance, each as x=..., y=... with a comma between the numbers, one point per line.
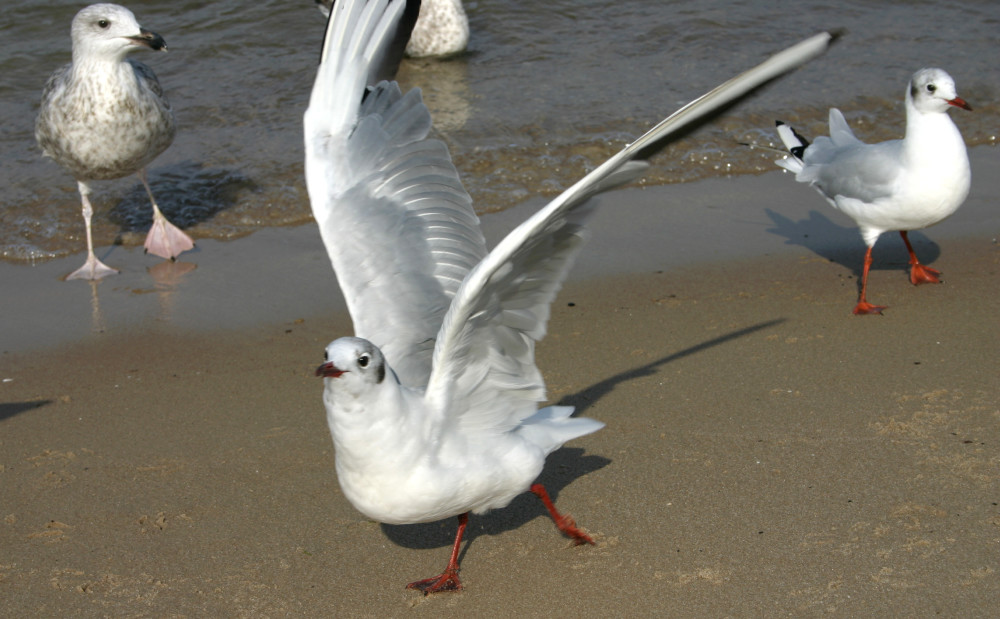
x=163, y=448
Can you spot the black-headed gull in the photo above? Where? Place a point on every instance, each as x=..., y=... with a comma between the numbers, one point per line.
x=442, y=28
x=104, y=116
x=435, y=412
x=895, y=185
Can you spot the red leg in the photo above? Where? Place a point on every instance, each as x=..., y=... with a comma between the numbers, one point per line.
x=919, y=274
x=863, y=306
x=563, y=521
x=448, y=580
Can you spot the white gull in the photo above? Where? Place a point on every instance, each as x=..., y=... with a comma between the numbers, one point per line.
x=899, y=185
x=442, y=28
x=104, y=116
x=433, y=408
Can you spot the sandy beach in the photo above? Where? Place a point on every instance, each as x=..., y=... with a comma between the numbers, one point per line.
x=164, y=452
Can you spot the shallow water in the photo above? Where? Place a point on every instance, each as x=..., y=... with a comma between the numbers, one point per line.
x=545, y=92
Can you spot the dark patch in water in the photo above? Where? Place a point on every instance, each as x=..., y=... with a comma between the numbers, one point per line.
x=188, y=193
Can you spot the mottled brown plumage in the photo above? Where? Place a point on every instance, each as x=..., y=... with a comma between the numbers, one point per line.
x=104, y=116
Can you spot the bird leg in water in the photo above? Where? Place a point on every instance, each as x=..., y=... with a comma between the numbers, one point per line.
x=164, y=239
x=93, y=268
x=919, y=274
x=448, y=580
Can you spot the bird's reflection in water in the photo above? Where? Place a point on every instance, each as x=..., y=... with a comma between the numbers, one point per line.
x=96, y=317
x=444, y=85
x=168, y=276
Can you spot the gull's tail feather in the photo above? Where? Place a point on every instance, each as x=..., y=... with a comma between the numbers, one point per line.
x=552, y=426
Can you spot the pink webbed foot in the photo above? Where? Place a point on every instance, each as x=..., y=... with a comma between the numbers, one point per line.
x=447, y=581
x=921, y=274
x=92, y=269
x=165, y=239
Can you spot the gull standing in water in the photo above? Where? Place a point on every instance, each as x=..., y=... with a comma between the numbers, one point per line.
x=442, y=28
x=104, y=116
x=433, y=407
x=899, y=185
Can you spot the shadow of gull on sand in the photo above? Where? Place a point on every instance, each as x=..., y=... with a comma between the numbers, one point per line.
x=583, y=399
x=562, y=467
x=10, y=409
x=843, y=244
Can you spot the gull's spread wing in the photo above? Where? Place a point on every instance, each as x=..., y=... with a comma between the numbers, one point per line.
x=484, y=373
x=394, y=217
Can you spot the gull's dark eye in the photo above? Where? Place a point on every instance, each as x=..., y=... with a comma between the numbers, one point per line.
x=103, y=23
x=326, y=356
x=931, y=87
x=363, y=360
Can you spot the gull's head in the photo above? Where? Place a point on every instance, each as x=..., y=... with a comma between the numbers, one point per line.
x=933, y=90
x=110, y=31
x=355, y=362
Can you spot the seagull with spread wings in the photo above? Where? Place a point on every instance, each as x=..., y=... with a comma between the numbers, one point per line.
x=433, y=407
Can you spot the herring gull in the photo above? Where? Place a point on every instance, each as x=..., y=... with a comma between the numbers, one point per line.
x=104, y=116
x=442, y=28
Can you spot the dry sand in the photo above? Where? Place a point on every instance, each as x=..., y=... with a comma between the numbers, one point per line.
x=163, y=449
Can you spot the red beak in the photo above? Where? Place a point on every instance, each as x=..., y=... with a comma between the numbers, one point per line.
x=328, y=370
x=960, y=102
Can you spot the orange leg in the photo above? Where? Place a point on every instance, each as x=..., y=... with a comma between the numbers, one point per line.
x=919, y=274
x=563, y=521
x=448, y=580
x=863, y=306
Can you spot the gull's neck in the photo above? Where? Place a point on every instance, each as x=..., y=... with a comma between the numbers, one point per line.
x=359, y=423
x=94, y=68
x=931, y=135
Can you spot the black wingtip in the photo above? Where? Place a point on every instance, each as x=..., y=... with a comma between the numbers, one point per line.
x=389, y=65
x=799, y=150
x=836, y=34
x=800, y=138
x=386, y=65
